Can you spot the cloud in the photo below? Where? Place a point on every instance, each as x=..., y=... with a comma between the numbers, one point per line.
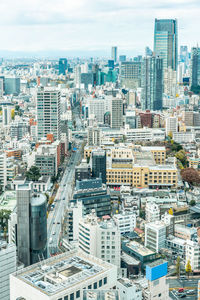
x=89, y=24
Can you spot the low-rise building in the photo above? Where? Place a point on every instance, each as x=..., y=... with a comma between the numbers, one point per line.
x=128, y=290
x=126, y=222
x=155, y=235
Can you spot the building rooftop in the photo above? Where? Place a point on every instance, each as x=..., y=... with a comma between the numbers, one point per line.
x=8, y=200
x=139, y=248
x=156, y=263
x=63, y=271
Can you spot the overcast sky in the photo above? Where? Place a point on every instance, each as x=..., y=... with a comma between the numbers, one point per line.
x=92, y=25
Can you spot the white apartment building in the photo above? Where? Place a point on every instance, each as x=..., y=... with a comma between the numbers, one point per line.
x=100, y=238
x=144, y=134
x=62, y=277
x=94, y=136
x=152, y=212
x=184, y=137
x=126, y=222
x=48, y=112
x=128, y=290
x=171, y=125
x=155, y=235
x=7, y=266
x=3, y=169
x=192, y=253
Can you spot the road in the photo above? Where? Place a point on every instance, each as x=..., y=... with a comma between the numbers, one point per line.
x=175, y=284
x=63, y=195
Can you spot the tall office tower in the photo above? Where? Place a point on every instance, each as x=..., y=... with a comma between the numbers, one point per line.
x=6, y=114
x=114, y=53
x=3, y=169
x=152, y=83
x=148, y=51
x=130, y=74
x=101, y=239
x=116, y=113
x=166, y=42
x=195, y=67
x=12, y=86
x=8, y=265
x=99, y=164
x=184, y=56
x=31, y=225
x=62, y=66
x=48, y=113
x=1, y=87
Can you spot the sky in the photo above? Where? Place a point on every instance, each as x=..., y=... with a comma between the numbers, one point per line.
x=91, y=26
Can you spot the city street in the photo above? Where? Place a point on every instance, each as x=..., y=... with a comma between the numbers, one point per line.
x=190, y=284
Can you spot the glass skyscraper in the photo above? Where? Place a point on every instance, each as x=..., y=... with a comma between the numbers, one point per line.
x=62, y=66
x=152, y=83
x=195, y=67
x=114, y=53
x=166, y=42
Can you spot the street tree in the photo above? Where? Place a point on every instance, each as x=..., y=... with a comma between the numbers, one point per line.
x=178, y=266
x=188, y=268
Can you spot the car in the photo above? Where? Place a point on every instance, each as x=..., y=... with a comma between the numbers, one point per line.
x=53, y=222
x=183, y=295
x=58, y=222
x=54, y=233
x=183, y=277
x=181, y=290
x=190, y=292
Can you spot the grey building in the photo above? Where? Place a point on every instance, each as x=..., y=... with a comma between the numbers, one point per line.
x=31, y=225
x=152, y=83
x=195, y=67
x=12, y=86
x=86, y=79
x=114, y=53
x=93, y=195
x=130, y=74
x=166, y=42
x=8, y=265
x=99, y=164
x=19, y=129
x=48, y=113
x=116, y=113
x=83, y=171
x=46, y=162
x=62, y=66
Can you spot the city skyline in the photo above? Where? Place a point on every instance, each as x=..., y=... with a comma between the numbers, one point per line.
x=81, y=27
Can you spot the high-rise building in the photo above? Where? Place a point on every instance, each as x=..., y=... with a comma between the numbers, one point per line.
x=100, y=238
x=122, y=58
x=170, y=82
x=62, y=66
x=12, y=86
x=99, y=164
x=195, y=67
x=94, y=136
x=3, y=169
x=31, y=225
x=48, y=112
x=130, y=74
x=148, y=51
x=152, y=83
x=8, y=265
x=114, y=53
x=116, y=113
x=152, y=212
x=166, y=42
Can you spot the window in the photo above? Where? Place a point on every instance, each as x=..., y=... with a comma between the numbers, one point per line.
x=89, y=287
x=95, y=285
x=78, y=294
x=60, y=299
x=105, y=280
x=66, y=298
x=72, y=296
x=100, y=283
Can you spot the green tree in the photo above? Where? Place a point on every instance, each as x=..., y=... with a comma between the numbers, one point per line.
x=178, y=266
x=188, y=268
x=192, y=202
x=33, y=173
x=4, y=217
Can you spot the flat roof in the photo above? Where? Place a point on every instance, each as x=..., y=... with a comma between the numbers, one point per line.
x=61, y=272
x=8, y=200
x=139, y=248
